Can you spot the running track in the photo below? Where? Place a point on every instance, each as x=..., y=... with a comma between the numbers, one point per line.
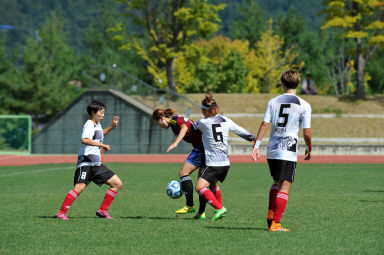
x=18, y=160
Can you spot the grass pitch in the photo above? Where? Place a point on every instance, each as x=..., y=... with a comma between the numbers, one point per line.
x=332, y=209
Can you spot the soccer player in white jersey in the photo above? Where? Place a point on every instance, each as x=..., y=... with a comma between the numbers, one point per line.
x=89, y=166
x=286, y=113
x=215, y=129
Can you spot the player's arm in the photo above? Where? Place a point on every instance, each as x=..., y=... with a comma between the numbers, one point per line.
x=114, y=124
x=243, y=133
x=90, y=142
x=308, y=143
x=179, y=137
x=260, y=134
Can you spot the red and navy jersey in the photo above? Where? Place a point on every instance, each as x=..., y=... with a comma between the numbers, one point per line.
x=192, y=136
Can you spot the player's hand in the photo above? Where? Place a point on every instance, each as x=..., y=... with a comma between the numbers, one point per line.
x=172, y=146
x=255, y=154
x=107, y=147
x=307, y=155
x=115, y=121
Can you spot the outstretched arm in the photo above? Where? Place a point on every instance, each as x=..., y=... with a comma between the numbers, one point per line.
x=308, y=143
x=114, y=124
x=260, y=134
x=243, y=133
x=183, y=131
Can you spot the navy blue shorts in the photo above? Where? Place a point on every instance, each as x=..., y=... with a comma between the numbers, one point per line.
x=197, y=156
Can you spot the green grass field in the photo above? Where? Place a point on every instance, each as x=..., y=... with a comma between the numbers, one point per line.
x=332, y=209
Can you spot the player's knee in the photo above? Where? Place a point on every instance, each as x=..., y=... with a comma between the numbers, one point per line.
x=79, y=187
x=118, y=185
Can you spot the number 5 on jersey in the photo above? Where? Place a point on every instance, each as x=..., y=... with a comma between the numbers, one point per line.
x=283, y=115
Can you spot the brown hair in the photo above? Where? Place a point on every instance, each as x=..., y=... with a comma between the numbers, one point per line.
x=162, y=113
x=290, y=79
x=210, y=103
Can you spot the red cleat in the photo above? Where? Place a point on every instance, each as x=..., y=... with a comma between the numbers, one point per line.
x=62, y=216
x=103, y=214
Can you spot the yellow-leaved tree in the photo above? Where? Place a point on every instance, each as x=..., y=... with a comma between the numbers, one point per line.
x=268, y=61
x=362, y=21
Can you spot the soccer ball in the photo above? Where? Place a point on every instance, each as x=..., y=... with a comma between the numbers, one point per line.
x=174, y=189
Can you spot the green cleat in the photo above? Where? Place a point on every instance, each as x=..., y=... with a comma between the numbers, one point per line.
x=200, y=216
x=220, y=213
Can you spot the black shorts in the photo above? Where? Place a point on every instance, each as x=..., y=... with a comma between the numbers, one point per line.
x=97, y=174
x=213, y=173
x=282, y=170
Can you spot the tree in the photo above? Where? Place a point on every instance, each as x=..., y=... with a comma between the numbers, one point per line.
x=42, y=85
x=217, y=65
x=251, y=23
x=103, y=45
x=268, y=62
x=171, y=25
x=361, y=20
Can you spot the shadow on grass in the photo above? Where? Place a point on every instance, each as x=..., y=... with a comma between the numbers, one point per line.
x=122, y=217
x=74, y=217
x=373, y=190
x=237, y=228
x=372, y=201
x=153, y=218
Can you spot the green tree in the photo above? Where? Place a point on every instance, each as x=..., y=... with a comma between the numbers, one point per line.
x=268, y=62
x=43, y=85
x=362, y=21
x=216, y=65
x=251, y=23
x=171, y=25
x=311, y=46
x=103, y=45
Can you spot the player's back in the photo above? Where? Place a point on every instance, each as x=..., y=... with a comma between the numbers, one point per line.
x=215, y=131
x=286, y=113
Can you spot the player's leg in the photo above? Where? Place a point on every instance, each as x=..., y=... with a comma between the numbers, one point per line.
x=272, y=202
x=209, y=178
x=202, y=203
x=216, y=191
x=81, y=180
x=285, y=178
x=189, y=166
x=105, y=175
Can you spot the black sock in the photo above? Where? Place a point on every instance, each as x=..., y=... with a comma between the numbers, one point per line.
x=202, y=205
x=187, y=187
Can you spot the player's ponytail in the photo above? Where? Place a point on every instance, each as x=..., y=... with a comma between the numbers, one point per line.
x=209, y=105
x=162, y=113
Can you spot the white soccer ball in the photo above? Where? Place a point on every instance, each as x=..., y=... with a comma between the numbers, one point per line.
x=174, y=189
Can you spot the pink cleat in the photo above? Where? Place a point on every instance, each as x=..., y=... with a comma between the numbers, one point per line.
x=103, y=214
x=62, y=216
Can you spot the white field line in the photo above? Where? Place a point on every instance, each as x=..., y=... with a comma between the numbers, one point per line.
x=314, y=115
x=330, y=139
x=36, y=171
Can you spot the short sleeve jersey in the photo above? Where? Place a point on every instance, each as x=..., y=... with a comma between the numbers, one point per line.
x=215, y=130
x=192, y=136
x=286, y=113
x=90, y=155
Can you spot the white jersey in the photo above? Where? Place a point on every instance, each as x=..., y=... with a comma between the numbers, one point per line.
x=90, y=155
x=215, y=131
x=286, y=113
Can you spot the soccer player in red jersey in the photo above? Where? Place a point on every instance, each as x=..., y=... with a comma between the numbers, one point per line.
x=89, y=165
x=286, y=113
x=184, y=129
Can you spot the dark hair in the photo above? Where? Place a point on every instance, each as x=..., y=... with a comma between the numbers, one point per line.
x=162, y=113
x=290, y=79
x=210, y=103
x=95, y=106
